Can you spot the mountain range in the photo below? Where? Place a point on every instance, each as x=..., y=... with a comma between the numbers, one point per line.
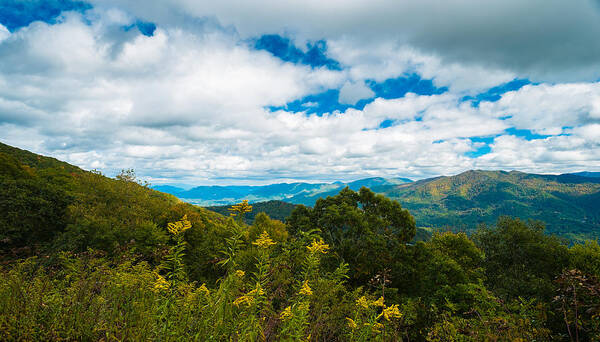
x=569, y=204
x=297, y=193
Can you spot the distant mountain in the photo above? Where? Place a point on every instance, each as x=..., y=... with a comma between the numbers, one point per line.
x=586, y=174
x=298, y=193
x=568, y=204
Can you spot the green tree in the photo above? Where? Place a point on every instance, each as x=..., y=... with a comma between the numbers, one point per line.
x=364, y=229
x=520, y=260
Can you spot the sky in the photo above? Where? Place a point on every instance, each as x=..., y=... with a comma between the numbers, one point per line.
x=256, y=92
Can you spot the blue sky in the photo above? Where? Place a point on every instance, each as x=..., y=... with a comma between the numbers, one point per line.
x=209, y=93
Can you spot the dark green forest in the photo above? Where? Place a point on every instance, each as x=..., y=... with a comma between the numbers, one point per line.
x=85, y=257
x=277, y=210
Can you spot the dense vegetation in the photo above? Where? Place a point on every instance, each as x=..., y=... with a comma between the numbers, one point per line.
x=86, y=257
x=277, y=210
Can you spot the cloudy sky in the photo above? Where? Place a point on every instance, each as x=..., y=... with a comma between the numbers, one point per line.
x=230, y=92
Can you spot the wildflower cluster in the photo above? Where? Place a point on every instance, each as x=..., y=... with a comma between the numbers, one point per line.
x=367, y=324
x=179, y=227
x=390, y=312
x=173, y=262
x=318, y=247
x=161, y=283
x=286, y=313
x=242, y=207
x=249, y=298
x=239, y=210
x=264, y=240
x=306, y=290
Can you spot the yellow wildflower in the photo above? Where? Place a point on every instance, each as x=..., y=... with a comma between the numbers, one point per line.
x=306, y=290
x=318, y=247
x=378, y=302
x=286, y=313
x=241, y=208
x=161, y=283
x=351, y=324
x=248, y=298
x=377, y=327
x=362, y=301
x=257, y=291
x=179, y=226
x=204, y=290
x=390, y=312
x=243, y=300
x=264, y=240
x=240, y=273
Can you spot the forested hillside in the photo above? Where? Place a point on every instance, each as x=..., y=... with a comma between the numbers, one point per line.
x=569, y=204
x=89, y=258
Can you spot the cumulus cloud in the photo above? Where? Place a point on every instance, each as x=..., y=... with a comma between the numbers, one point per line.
x=352, y=92
x=549, y=109
x=194, y=102
x=545, y=40
x=4, y=33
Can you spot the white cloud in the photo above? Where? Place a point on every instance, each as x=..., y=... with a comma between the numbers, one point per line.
x=380, y=60
x=352, y=92
x=547, y=109
x=188, y=105
x=4, y=33
x=545, y=40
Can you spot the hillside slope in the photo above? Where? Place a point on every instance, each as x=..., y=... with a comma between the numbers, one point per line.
x=48, y=204
x=568, y=204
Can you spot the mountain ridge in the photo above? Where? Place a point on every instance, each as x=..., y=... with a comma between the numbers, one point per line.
x=296, y=192
x=567, y=203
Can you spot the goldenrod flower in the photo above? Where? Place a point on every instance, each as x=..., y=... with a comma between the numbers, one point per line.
x=318, y=247
x=240, y=273
x=306, y=290
x=362, y=301
x=161, y=283
x=377, y=327
x=204, y=290
x=241, y=208
x=351, y=324
x=390, y=312
x=257, y=291
x=179, y=227
x=264, y=240
x=378, y=302
x=286, y=313
x=248, y=298
x=243, y=300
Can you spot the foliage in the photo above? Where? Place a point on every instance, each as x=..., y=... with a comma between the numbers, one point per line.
x=89, y=258
x=277, y=210
x=568, y=204
x=362, y=228
x=520, y=259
